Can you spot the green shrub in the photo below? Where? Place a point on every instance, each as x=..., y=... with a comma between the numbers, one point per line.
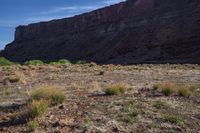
x=160, y=105
x=173, y=119
x=57, y=98
x=34, y=62
x=116, y=89
x=37, y=108
x=32, y=126
x=61, y=62
x=5, y=62
x=54, y=94
x=80, y=62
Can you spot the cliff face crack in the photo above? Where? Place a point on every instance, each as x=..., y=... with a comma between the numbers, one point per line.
x=135, y=31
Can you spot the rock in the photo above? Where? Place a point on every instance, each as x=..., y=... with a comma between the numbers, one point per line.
x=92, y=64
x=135, y=31
x=61, y=107
x=66, y=122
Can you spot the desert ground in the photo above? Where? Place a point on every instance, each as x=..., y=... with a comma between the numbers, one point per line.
x=88, y=109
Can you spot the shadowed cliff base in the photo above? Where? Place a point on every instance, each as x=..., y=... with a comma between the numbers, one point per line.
x=131, y=32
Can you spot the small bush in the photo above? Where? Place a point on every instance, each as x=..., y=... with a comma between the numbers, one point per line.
x=160, y=105
x=61, y=62
x=13, y=118
x=32, y=126
x=5, y=62
x=185, y=91
x=193, y=88
x=173, y=119
x=116, y=89
x=37, y=108
x=12, y=79
x=167, y=89
x=170, y=88
x=53, y=94
x=57, y=98
x=8, y=92
x=34, y=62
x=156, y=86
x=80, y=62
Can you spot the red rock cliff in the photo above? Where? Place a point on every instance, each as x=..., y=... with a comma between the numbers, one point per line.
x=135, y=31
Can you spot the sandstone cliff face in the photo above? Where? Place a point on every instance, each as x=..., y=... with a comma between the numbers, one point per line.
x=135, y=31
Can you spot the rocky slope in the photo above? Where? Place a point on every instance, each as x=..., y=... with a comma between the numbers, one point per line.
x=135, y=31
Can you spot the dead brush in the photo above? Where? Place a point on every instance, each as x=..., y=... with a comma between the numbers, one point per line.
x=95, y=87
x=21, y=76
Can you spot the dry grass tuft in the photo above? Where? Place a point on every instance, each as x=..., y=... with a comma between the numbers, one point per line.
x=170, y=88
x=94, y=87
x=32, y=125
x=12, y=79
x=54, y=94
x=37, y=108
x=21, y=76
x=116, y=89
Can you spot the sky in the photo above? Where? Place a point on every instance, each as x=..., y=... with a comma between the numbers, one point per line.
x=22, y=12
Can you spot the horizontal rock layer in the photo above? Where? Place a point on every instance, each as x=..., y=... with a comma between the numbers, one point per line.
x=135, y=31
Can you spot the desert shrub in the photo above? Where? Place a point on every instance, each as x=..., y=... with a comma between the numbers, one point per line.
x=8, y=92
x=116, y=89
x=54, y=94
x=57, y=98
x=61, y=62
x=170, y=88
x=37, y=108
x=193, y=88
x=34, y=62
x=167, y=88
x=167, y=91
x=5, y=62
x=14, y=118
x=157, y=86
x=185, y=91
x=80, y=62
x=160, y=105
x=173, y=119
x=12, y=79
x=32, y=126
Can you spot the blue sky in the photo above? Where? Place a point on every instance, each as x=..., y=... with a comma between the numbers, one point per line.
x=22, y=12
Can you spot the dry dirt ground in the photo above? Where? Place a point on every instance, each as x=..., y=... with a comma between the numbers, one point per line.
x=88, y=110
